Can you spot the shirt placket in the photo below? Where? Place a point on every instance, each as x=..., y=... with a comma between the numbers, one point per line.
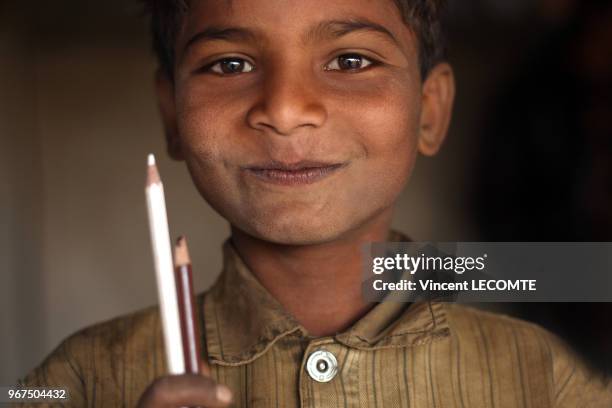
x=323, y=378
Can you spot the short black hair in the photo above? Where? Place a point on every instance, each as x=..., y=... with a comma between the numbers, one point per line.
x=422, y=16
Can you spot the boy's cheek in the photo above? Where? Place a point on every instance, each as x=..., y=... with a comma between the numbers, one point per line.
x=388, y=106
x=206, y=131
x=388, y=129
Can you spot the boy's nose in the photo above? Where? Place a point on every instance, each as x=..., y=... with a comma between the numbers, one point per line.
x=286, y=104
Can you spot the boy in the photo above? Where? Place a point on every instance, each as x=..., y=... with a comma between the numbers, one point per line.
x=300, y=122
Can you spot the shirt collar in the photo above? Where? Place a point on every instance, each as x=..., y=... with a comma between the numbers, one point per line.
x=242, y=320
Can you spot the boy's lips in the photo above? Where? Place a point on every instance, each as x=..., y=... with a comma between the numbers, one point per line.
x=303, y=172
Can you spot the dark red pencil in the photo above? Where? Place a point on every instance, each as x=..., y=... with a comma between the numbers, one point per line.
x=189, y=328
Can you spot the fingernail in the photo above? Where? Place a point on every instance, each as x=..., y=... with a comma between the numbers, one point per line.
x=223, y=393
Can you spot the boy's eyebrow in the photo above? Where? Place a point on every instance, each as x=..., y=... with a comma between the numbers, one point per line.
x=339, y=28
x=324, y=29
x=221, y=33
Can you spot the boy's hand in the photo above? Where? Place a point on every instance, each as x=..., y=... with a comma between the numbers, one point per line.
x=187, y=390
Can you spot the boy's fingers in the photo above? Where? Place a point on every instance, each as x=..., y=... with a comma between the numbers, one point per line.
x=204, y=368
x=185, y=391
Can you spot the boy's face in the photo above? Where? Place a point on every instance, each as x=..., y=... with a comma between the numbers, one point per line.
x=262, y=84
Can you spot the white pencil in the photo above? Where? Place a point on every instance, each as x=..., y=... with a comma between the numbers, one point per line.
x=164, y=269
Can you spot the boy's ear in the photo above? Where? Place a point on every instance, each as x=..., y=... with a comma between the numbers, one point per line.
x=165, y=98
x=438, y=94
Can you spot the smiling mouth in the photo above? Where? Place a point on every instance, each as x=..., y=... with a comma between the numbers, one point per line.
x=304, y=172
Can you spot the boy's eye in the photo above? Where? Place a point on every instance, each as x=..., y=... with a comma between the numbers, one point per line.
x=229, y=66
x=348, y=62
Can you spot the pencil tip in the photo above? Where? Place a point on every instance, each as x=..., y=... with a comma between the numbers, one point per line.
x=152, y=173
x=181, y=254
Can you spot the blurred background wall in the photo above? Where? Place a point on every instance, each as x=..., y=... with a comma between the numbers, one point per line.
x=78, y=117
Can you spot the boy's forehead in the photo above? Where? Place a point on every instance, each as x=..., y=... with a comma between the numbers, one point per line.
x=288, y=18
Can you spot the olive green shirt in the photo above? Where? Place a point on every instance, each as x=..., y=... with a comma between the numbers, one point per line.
x=418, y=355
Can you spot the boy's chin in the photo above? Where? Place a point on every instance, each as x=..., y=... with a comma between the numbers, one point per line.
x=296, y=233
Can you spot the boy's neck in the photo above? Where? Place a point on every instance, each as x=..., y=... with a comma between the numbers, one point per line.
x=320, y=285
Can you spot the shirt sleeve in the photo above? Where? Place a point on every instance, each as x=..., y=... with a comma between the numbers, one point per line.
x=575, y=383
x=61, y=369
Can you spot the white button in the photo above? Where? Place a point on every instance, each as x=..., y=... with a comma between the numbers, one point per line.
x=322, y=366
